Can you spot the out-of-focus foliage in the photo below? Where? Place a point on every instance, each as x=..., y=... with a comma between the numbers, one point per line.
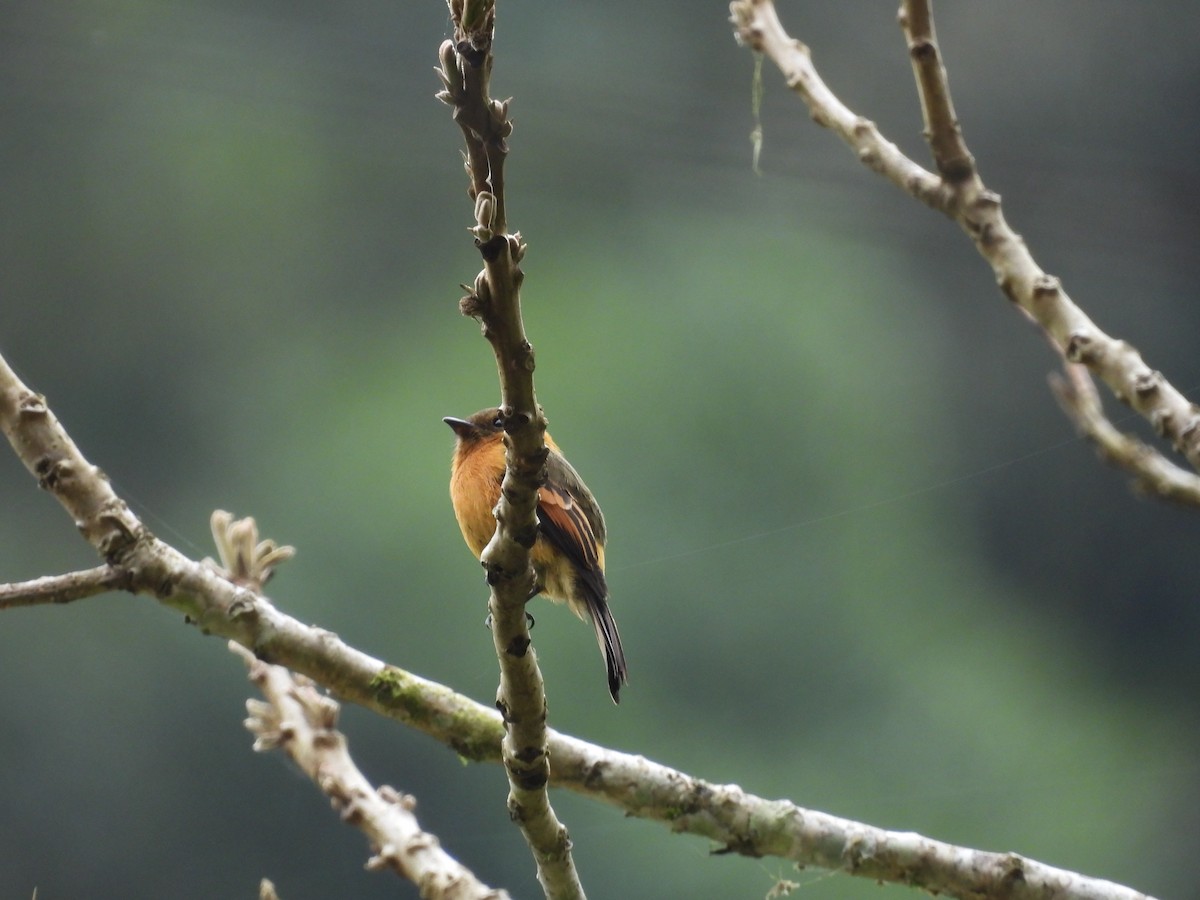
x=858, y=558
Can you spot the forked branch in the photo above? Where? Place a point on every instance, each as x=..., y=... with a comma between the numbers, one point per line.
x=959, y=192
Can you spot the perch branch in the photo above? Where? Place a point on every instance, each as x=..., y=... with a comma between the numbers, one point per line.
x=737, y=821
x=495, y=301
x=960, y=194
x=302, y=721
x=63, y=588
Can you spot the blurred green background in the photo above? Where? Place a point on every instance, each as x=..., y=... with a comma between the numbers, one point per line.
x=858, y=557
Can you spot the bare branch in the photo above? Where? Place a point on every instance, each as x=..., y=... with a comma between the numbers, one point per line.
x=950, y=154
x=63, y=588
x=466, y=64
x=962, y=196
x=302, y=721
x=753, y=826
x=758, y=27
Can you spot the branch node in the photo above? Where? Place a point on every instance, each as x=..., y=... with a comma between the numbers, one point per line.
x=921, y=50
x=491, y=249
x=862, y=127
x=32, y=406
x=1188, y=433
x=242, y=608
x=1012, y=871
x=518, y=646
x=1148, y=383
x=1045, y=286
x=1081, y=348
x=1160, y=421
x=118, y=537
x=51, y=471
x=471, y=55
x=986, y=201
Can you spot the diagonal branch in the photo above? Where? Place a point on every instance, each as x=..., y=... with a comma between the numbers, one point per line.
x=302, y=721
x=960, y=194
x=495, y=302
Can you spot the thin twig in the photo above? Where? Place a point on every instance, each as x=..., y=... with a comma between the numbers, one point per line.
x=302, y=721
x=966, y=199
x=63, y=588
x=494, y=300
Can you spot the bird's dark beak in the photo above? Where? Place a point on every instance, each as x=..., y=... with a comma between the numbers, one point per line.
x=461, y=427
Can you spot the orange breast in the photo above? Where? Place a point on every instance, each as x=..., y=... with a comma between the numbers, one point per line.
x=475, y=490
x=475, y=477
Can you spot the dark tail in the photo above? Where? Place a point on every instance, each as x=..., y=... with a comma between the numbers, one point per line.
x=609, y=640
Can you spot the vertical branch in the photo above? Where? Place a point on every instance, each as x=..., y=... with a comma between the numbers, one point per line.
x=954, y=162
x=495, y=301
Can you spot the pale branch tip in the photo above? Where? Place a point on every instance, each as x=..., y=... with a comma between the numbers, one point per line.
x=464, y=70
x=244, y=559
x=474, y=21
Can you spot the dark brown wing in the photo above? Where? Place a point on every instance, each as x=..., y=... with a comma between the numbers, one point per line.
x=570, y=518
x=565, y=525
x=572, y=522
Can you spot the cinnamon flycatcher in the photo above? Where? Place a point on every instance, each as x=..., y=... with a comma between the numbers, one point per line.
x=568, y=555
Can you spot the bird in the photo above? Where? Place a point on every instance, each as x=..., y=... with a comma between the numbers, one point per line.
x=568, y=553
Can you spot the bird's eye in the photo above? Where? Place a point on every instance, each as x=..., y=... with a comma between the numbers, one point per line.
x=498, y=423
